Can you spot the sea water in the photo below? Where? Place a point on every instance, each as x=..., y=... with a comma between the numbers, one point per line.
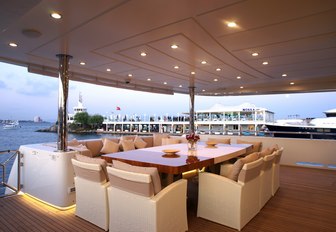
x=12, y=139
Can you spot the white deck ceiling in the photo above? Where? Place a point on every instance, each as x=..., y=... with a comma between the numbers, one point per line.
x=296, y=37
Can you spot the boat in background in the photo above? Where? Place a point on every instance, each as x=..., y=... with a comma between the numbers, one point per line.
x=317, y=128
x=11, y=125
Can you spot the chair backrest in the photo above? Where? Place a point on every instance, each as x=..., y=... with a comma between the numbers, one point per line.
x=268, y=161
x=278, y=155
x=132, y=182
x=220, y=140
x=250, y=171
x=89, y=171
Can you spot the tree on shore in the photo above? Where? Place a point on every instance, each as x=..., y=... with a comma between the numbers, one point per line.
x=96, y=121
x=82, y=118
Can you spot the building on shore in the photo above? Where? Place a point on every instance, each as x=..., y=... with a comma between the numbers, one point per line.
x=77, y=109
x=37, y=119
x=232, y=120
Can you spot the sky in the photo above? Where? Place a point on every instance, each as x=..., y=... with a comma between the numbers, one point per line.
x=25, y=95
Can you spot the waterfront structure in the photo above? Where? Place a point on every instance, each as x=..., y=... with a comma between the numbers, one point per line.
x=77, y=109
x=37, y=119
x=246, y=119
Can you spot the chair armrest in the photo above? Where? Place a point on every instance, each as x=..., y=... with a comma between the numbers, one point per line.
x=171, y=207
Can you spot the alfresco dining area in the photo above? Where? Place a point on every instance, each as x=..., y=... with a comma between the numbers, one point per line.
x=153, y=188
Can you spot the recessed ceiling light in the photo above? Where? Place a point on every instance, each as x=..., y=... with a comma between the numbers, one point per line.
x=13, y=44
x=148, y=79
x=192, y=73
x=218, y=69
x=109, y=70
x=203, y=62
x=176, y=67
x=255, y=54
x=56, y=15
x=180, y=86
x=130, y=75
x=238, y=77
x=82, y=63
x=242, y=87
x=284, y=75
x=231, y=24
x=215, y=79
x=174, y=46
x=143, y=54
x=164, y=83
x=203, y=90
x=292, y=83
x=265, y=63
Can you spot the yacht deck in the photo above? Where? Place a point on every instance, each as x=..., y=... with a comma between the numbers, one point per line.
x=306, y=201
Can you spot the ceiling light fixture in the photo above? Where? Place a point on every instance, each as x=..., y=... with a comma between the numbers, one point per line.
x=130, y=75
x=148, y=79
x=164, y=83
x=192, y=73
x=176, y=67
x=238, y=77
x=292, y=83
x=265, y=63
x=109, y=70
x=242, y=87
x=255, y=54
x=284, y=75
x=56, y=15
x=174, y=46
x=215, y=79
x=203, y=62
x=218, y=69
x=82, y=63
x=143, y=54
x=12, y=44
x=203, y=90
x=232, y=24
x=180, y=86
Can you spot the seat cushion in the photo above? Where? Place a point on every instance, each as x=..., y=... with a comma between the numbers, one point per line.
x=109, y=146
x=144, y=170
x=139, y=142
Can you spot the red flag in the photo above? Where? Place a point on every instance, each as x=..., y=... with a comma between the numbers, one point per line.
x=118, y=108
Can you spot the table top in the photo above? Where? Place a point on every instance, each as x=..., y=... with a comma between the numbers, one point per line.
x=184, y=161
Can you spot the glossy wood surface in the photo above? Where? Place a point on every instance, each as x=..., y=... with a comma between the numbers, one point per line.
x=155, y=157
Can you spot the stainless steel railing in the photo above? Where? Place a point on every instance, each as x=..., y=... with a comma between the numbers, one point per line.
x=5, y=163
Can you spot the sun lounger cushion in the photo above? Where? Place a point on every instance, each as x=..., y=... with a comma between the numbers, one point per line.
x=144, y=170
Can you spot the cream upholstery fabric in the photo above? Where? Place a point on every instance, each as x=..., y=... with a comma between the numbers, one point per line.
x=91, y=193
x=74, y=142
x=153, y=172
x=139, y=142
x=82, y=149
x=157, y=138
x=228, y=202
x=238, y=165
x=167, y=141
x=127, y=145
x=129, y=211
x=94, y=146
x=109, y=146
x=266, y=179
x=220, y=140
x=276, y=171
x=255, y=148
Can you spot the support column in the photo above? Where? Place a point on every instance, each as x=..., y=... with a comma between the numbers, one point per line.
x=63, y=90
x=191, y=105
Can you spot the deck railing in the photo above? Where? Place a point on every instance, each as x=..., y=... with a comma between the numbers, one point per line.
x=7, y=159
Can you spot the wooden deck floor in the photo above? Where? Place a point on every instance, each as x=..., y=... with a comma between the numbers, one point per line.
x=306, y=201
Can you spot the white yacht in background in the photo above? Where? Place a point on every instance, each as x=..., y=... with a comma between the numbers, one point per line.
x=11, y=125
x=306, y=127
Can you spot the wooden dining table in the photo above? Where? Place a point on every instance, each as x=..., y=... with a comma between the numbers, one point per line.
x=183, y=160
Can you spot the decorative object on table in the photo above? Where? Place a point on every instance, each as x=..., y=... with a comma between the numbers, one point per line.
x=192, y=141
x=170, y=153
x=192, y=159
x=211, y=144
